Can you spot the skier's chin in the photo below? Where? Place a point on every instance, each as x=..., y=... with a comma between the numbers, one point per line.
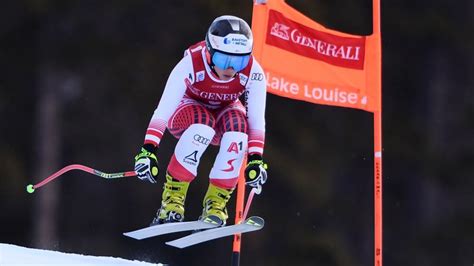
x=226, y=77
x=225, y=74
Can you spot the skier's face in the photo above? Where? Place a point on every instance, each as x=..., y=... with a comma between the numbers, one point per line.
x=225, y=74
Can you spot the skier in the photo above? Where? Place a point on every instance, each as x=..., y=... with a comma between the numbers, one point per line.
x=200, y=106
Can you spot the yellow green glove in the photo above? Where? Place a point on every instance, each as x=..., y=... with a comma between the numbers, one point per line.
x=146, y=165
x=256, y=171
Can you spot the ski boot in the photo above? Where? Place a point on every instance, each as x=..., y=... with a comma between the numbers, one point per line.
x=214, y=205
x=172, y=203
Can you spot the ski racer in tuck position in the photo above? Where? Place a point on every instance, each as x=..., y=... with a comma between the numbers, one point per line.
x=200, y=106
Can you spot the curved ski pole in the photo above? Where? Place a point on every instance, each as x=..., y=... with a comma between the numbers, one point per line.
x=255, y=190
x=31, y=188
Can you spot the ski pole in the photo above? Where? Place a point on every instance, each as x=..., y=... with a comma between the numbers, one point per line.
x=31, y=188
x=255, y=190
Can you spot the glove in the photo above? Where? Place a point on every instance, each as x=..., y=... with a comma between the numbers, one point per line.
x=256, y=171
x=146, y=164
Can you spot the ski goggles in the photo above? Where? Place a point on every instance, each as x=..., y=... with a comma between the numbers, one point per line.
x=225, y=61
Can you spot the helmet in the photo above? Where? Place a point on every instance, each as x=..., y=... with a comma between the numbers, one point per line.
x=229, y=42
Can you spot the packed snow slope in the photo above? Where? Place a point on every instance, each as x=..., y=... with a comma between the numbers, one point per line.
x=16, y=255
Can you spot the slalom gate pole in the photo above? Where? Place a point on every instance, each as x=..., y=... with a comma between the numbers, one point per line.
x=378, y=181
x=378, y=202
x=31, y=188
x=239, y=206
x=241, y=212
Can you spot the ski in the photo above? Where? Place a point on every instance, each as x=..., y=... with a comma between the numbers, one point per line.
x=168, y=228
x=253, y=223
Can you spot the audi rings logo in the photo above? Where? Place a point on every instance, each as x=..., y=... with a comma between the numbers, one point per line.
x=201, y=139
x=256, y=76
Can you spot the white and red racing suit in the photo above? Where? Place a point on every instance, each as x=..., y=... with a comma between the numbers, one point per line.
x=200, y=109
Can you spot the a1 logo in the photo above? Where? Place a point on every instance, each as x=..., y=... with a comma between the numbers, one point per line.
x=234, y=147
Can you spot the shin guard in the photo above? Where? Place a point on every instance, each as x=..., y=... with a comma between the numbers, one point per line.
x=226, y=169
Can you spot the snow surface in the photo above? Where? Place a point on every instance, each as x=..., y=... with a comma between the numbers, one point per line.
x=16, y=255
